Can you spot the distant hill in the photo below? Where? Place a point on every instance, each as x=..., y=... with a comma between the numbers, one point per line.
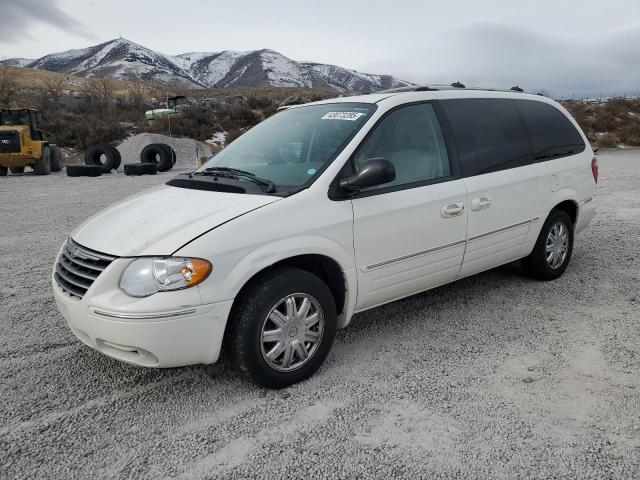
x=126, y=60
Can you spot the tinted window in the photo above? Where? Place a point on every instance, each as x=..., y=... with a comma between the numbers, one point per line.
x=411, y=139
x=551, y=132
x=489, y=134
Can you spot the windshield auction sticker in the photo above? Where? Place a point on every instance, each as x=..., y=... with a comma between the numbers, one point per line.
x=351, y=116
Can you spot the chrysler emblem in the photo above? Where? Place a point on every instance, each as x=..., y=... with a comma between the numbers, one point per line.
x=75, y=252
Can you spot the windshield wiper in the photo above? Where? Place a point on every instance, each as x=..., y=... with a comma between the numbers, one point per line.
x=235, y=173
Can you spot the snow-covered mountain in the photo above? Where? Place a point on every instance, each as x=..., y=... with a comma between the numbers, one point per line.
x=124, y=59
x=18, y=62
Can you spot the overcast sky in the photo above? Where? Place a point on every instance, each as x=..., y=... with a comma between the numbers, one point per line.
x=564, y=46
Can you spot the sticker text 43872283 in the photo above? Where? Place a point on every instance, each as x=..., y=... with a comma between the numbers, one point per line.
x=351, y=116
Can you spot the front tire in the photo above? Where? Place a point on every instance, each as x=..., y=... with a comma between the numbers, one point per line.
x=282, y=328
x=552, y=251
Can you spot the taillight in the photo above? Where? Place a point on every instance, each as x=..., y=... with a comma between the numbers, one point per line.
x=594, y=168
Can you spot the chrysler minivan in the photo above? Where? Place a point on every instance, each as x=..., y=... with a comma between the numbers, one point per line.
x=322, y=211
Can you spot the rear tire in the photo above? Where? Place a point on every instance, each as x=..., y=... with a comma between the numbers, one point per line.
x=278, y=349
x=43, y=164
x=3, y=171
x=56, y=165
x=552, y=251
x=16, y=169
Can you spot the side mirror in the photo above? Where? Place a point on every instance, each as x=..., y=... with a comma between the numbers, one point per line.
x=373, y=172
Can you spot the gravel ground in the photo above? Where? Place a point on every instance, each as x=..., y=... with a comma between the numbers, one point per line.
x=495, y=376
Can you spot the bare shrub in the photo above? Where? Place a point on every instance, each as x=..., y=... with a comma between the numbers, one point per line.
x=608, y=140
x=8, y=86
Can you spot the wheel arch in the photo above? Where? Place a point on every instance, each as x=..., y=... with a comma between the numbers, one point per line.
x=327, y=268
x=570, y=207
x=565, y=200
x=322, y=266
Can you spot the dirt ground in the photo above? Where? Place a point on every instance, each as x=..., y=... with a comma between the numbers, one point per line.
x=495, y=376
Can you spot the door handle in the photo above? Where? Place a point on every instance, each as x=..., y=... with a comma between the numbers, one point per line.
x=480, y=203
x=452, y=210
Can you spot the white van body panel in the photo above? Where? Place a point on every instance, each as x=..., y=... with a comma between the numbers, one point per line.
x=406, y=246
x=293, y=226
x=502, y=208
x=162, y=219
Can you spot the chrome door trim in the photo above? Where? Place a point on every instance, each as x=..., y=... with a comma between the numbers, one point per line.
x=449, y=245
x=503, y=229
x=411, y=255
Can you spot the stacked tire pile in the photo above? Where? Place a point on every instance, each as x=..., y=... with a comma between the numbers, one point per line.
x=156, y=157
x=99, y=159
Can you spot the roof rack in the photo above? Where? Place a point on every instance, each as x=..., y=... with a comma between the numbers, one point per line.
x=453, y=86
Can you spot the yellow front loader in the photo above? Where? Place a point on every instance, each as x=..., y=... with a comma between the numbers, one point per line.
x=24, y=144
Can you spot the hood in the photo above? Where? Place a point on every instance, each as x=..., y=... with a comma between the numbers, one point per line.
x=161, y=220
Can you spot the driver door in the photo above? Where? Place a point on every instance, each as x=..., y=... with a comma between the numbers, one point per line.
x=410, y=234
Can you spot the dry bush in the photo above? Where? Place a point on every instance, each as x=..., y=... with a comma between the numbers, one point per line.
x=8, y=86
x=102, y=92
x=615, y=121
x=608, y=140
x=136, y=93
x=80, y=131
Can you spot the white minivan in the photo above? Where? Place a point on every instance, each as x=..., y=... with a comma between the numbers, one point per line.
x=322, y=211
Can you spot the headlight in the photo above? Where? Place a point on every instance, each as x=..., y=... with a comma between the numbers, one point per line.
x=149, y=275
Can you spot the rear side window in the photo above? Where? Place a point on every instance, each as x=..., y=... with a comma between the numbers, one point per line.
x=489, y=133
x=552, y=133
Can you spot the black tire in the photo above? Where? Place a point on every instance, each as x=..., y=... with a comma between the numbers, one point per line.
x=3, y=171
x=536, y=264
x=172, y=153
x=140, y=169
x=16, y=169
x=118, y=158
x=43, y=164
x=243, y=337
x=56, y=164
x=83, y=170
x=160, y=154
x=94, y=156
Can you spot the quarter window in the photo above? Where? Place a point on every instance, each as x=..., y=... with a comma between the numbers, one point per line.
x=489, y=133
x=411, y=139
x=551, y=132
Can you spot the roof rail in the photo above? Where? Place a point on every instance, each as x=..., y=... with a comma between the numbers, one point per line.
x=453, y=86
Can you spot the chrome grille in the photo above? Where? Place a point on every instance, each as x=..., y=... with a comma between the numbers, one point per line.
x=77, y=268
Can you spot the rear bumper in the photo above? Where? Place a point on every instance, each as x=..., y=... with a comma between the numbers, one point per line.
x=168, y=338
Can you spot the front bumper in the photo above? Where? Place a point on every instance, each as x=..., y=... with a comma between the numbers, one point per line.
x=169, y=329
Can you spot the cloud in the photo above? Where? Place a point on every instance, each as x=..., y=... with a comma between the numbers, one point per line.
x=18, y=15
x=498, y=55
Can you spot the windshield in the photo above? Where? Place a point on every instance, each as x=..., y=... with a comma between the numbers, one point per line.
x=14, y=117
x=291, y=147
